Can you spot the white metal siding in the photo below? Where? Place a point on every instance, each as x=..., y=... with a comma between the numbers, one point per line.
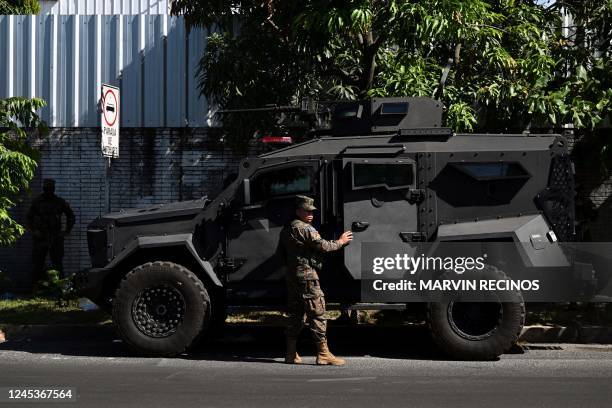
x=64, y=59
x=90, y=7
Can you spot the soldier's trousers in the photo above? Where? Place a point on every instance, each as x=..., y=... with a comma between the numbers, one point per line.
x=306, y=304
x=40, y=248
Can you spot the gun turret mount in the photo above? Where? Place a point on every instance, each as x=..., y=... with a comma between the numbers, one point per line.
x=353, y=118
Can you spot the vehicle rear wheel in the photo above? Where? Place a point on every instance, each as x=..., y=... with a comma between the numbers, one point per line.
x=160, y=308
x=477, y=330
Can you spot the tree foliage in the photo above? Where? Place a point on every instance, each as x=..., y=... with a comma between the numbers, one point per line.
x=516, y=66
x=17, y=158
x=19, y=7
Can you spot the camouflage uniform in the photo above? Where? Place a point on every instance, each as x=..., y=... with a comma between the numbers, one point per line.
x=44, y=221
x=301, y=248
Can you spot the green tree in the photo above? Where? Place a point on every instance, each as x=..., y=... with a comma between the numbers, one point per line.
x=586, y=51
x=17, y=158
x=513, y=67
x=19, y=7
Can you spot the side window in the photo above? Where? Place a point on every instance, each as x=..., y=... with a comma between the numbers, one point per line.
x=493, y=171
x=389, y=175
x=283, y=182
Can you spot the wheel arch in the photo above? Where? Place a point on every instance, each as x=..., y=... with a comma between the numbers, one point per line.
x=178, y=249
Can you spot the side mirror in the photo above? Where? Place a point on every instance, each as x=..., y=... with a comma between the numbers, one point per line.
x=246, y=185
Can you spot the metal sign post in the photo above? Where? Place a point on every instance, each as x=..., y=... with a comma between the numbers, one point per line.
x=110, y=108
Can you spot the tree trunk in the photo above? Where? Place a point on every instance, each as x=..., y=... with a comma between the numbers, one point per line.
x=368, y=64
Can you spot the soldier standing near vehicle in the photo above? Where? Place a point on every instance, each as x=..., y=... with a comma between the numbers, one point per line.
x=301, y=247
x=44, y=221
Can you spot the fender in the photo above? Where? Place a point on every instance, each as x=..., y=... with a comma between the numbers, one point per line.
x=530, y=233
x=160, y=241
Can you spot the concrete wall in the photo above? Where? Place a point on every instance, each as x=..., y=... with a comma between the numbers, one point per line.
x=154, y=166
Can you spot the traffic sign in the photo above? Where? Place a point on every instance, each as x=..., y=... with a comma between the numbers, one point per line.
x=110, y=121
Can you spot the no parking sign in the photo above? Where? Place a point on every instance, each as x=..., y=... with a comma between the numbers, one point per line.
x=110, y=121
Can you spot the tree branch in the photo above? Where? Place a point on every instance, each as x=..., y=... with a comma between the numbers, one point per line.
x=457, y=53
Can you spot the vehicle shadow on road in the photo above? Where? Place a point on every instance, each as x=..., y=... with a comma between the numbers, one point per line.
x=244, y=343
x=267, y=344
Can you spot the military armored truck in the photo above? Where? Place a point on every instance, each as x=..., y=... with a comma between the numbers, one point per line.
x=384, y=168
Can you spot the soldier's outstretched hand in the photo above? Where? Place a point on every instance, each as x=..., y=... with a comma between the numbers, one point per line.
x=346, y=237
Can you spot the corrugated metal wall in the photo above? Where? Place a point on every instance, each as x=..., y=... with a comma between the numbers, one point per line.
x=64, y=59
x=71, y=7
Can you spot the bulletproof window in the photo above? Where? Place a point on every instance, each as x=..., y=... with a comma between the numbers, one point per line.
x=350, y=112
x=493, y=170
x=394, y=108
x=282, y=182
x=389, y=175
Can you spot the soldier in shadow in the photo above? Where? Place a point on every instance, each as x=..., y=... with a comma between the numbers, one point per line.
x=44, y=221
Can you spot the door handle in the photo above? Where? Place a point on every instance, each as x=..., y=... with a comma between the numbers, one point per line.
x=357, y=226
x=238, y=216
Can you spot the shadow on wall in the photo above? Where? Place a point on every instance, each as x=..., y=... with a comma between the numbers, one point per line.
x=154, y=167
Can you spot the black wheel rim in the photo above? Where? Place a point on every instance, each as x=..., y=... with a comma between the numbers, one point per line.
x=475, y=320
x=158, y=311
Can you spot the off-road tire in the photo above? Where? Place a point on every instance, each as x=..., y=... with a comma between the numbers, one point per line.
x=489, y=346
x=184, y=294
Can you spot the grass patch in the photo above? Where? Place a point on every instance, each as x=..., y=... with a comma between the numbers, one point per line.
x=267, y=318
x=277, y=318
x=46, y=311
x=258, y=317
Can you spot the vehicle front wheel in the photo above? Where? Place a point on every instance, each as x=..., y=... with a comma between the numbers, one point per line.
x=160, y=308
x=477, y=330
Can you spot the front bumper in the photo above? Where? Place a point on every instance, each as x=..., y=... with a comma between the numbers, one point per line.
x=89, y=283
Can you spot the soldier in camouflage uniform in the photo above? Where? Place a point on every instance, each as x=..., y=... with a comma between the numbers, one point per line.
x=301, y=247
x=44, y=220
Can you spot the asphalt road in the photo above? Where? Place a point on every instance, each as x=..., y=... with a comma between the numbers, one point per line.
x=247, y=374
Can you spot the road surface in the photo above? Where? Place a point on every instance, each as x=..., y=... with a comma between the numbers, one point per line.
x=251, y=374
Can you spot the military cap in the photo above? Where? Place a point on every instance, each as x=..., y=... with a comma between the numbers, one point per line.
x=304, y=202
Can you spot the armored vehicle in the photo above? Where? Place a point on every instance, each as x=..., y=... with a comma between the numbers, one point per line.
x=384, y=168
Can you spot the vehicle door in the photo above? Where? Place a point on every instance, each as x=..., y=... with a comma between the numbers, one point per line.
x=254, y=230
x=378, y=204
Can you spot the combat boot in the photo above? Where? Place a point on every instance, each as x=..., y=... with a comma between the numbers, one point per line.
x=292, y=357
x=325, y=357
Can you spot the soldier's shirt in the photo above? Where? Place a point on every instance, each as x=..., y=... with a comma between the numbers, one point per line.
x=45, y=215
x=301, y=247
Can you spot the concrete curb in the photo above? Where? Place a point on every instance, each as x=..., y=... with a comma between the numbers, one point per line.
x=106, y=332
x=570, y=334
x=55, y=332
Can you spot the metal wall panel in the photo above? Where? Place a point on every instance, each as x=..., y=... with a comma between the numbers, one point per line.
x=91, y=7
x=176, y=80
x=131, y=77
x=196, y=113
x=153, y=73
x=4, y=45
x=20, y=58
x=64, y=59
x=44, y=58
